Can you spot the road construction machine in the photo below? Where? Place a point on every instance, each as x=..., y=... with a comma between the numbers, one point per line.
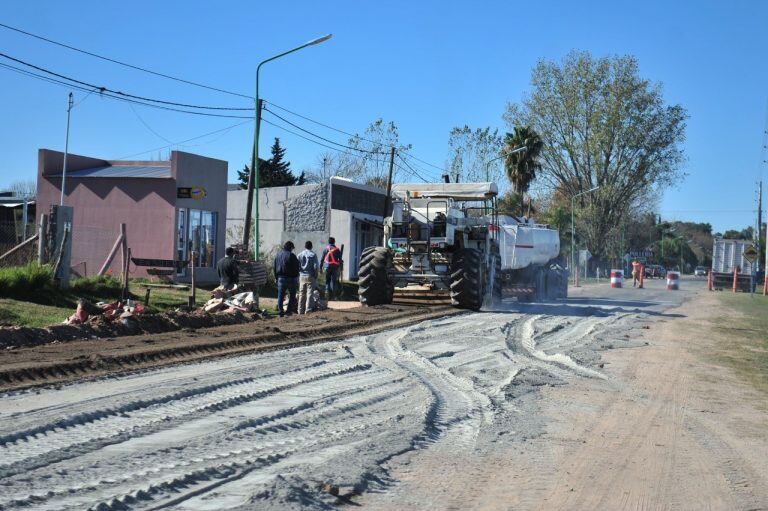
x=445, y=242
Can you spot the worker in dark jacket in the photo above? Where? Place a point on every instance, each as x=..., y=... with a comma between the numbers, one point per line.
x=229, y=273
x=287, y=276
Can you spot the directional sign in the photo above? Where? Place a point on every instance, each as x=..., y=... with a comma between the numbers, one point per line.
x=750, y=254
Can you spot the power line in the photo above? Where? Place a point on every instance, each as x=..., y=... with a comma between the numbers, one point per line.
x=320, y=137
x=309, y=139
x=338, y=130
x=120, y=93
x=119, y=98
x=413, y=172
x=353, y=135
x=114, y=61
x=185, y=141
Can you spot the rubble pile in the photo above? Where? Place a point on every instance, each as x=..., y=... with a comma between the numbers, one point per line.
x=104, y=320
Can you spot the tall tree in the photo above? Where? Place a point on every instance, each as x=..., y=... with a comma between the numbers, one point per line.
x=273, y=172
x=603, y=125
x=521, y=166
x=368, y=162
x=473, y=154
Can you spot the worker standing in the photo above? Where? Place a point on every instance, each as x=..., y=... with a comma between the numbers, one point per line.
x=287, y=276
x=229, y=273
x=636, y=269
x=308, y=267
x=331, y=261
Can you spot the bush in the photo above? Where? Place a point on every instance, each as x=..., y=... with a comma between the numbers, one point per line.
x=25, y=282
x=97, y=286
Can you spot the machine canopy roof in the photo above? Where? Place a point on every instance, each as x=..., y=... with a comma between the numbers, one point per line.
x=456, y=191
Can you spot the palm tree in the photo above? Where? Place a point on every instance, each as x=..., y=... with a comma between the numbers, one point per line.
x=521, y=166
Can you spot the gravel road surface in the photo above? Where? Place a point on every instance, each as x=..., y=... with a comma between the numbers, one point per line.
x=434, y=415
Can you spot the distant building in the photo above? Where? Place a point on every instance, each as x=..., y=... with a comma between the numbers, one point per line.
x=350, y=212
x=170, y=208
x=13, y=230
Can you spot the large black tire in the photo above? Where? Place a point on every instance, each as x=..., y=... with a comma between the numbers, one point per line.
x=374, y=284
x=467, y=279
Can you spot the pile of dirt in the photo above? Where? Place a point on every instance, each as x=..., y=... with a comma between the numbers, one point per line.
x=99, y=327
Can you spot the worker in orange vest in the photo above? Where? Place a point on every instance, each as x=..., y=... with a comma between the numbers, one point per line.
x=331, y=262
x=636, y=269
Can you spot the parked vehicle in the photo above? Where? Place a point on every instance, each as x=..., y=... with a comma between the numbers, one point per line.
x=700, y=271
x=727, y=256
x=655, y=271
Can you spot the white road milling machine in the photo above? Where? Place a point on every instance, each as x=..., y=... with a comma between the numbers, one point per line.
x=446, y=241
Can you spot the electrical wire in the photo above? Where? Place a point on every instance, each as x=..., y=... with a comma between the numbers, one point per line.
x=312, y=140
x=119, y=98
x=114, y=61
x=320, y=137
x=119, y=93
x=339, y=130
x=185, y=141
x=413, y=172
x=158, y=135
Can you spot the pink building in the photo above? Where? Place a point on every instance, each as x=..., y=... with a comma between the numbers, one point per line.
x=170, y=208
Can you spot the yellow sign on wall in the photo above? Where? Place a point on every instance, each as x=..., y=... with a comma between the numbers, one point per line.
x=191, y=192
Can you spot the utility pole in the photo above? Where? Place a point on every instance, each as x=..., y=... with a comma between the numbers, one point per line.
x=253, y=184
x=66, y=151
x=389, y=182
x=759, y=218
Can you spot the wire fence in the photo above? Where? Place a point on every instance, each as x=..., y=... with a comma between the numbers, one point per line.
x=11, y=235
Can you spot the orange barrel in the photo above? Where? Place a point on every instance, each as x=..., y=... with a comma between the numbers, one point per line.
x=617, y=277
x=673, y=280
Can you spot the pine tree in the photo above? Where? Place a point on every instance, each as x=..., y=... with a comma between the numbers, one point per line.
x=273, y=172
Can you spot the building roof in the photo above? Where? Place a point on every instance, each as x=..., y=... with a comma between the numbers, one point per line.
x=130, y=171
x=456, y=191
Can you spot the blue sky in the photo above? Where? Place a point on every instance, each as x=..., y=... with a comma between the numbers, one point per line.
x=428, y=66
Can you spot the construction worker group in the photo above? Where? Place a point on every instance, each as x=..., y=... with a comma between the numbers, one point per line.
x=296, y=277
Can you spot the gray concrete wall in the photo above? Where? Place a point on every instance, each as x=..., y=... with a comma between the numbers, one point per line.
x=271, y=219
x=308, y=211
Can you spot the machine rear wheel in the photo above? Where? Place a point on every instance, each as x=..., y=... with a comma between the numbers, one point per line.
x=467, y=279
x=374, y=285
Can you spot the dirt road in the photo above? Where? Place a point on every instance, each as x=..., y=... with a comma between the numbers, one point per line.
x=557, y=406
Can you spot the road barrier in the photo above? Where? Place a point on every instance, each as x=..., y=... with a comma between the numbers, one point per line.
x=617, y=277
x=673, y=280
x=710, y=281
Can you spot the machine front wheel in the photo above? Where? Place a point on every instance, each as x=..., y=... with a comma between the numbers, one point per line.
x=374, y=285
x=467, y=279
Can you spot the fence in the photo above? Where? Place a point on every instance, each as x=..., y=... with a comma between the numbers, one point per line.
x=11, y=235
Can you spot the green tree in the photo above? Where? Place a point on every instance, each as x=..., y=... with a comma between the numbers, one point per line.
x=521, y=166
x=471, y=152
x=603, y=125
x=273, y=172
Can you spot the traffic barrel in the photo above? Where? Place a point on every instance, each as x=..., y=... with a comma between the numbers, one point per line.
x=673, y=280
x=617, y=277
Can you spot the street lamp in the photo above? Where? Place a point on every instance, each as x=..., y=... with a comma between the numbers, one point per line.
x=488, y=163
x=253, y=177
x=573, y=228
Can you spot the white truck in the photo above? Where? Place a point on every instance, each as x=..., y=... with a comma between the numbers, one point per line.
x=728, y=255
x=447, y=241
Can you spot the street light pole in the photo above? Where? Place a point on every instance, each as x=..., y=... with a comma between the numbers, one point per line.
x=66, y=151
x=573, y=228
x=253, y=176
x=488, y=163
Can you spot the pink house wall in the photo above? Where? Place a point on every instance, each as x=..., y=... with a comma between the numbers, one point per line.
x=146, y=205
